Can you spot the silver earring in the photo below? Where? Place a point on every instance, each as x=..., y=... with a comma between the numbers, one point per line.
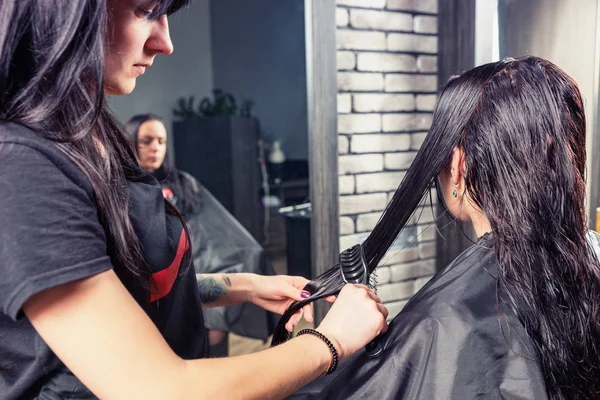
x=454, y=192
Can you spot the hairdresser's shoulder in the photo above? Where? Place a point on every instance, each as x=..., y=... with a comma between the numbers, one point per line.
x=11, y=132
x=27, y=153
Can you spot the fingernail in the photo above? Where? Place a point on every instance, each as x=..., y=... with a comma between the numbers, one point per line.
x=305, y=294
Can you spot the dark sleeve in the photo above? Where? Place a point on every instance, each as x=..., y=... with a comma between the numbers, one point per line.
x=49, y=230
x=431, y=358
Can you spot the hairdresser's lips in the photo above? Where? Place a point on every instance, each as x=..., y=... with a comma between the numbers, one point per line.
x=140, y=68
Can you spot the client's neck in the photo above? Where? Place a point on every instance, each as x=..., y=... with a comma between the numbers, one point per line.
x=481, y=224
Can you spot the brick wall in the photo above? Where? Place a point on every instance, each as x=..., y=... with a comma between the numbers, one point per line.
x=387, y=84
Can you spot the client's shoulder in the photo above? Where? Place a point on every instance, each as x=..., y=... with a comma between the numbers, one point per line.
x=472, y=276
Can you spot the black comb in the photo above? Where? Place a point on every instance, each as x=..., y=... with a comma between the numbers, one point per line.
x=354, y=269
x=354, y=266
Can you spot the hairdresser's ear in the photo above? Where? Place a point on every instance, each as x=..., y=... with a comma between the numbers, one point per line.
x=457, y=165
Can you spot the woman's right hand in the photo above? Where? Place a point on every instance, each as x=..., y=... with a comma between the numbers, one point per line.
x=356, y=318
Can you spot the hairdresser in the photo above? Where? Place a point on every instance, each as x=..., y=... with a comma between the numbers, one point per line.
x=98, y=295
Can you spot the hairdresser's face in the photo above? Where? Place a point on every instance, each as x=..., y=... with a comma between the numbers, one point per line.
x=152, y=145
x=133, y=42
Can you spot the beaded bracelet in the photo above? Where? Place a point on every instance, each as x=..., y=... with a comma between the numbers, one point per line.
x=334, y=354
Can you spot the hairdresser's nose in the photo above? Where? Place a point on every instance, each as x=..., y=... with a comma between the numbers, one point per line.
x=160, y=39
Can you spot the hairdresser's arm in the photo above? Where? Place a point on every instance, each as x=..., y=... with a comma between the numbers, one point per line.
x=273, y=293
x=218, y=290
x=96, y=328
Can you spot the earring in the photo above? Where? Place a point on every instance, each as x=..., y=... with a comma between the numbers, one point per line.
x=454, y=192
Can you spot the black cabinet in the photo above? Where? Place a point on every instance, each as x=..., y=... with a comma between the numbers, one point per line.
x=222, y=153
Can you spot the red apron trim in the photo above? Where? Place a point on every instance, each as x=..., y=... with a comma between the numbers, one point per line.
x=165, y=279
x=167, y=193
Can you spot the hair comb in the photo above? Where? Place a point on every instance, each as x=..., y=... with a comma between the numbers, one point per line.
x=354, y=269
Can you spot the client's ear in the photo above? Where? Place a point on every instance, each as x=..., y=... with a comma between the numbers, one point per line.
x=458, y=166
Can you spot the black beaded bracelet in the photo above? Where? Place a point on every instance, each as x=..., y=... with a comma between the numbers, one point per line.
x=334, y=354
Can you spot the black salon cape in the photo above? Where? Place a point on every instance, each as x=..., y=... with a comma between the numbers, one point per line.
x=449, y=342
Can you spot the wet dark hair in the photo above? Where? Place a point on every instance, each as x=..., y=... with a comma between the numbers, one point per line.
x=187, y=192
x=51, y=80
x=521, y=126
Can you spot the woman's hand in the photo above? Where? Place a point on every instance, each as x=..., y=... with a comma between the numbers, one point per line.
x=356, y=318
x=276, y=293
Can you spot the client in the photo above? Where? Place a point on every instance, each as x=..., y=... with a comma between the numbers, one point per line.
x=517, y=314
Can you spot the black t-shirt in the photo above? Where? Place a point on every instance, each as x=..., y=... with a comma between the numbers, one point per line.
x=50, y=234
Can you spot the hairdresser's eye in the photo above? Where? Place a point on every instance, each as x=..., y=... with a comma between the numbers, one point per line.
x=144, y=12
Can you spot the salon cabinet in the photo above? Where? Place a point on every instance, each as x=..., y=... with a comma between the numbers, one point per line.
x=222, y=153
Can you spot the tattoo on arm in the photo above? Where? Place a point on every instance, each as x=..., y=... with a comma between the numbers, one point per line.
x=212, y=289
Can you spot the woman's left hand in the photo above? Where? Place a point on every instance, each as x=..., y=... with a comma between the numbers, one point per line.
x=276, y=293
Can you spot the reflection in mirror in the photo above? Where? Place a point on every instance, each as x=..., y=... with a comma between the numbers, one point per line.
x=233, y=100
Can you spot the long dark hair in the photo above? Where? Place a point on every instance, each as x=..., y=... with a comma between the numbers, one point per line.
x=184, y=187
x=521, y=126
x=51, y=80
